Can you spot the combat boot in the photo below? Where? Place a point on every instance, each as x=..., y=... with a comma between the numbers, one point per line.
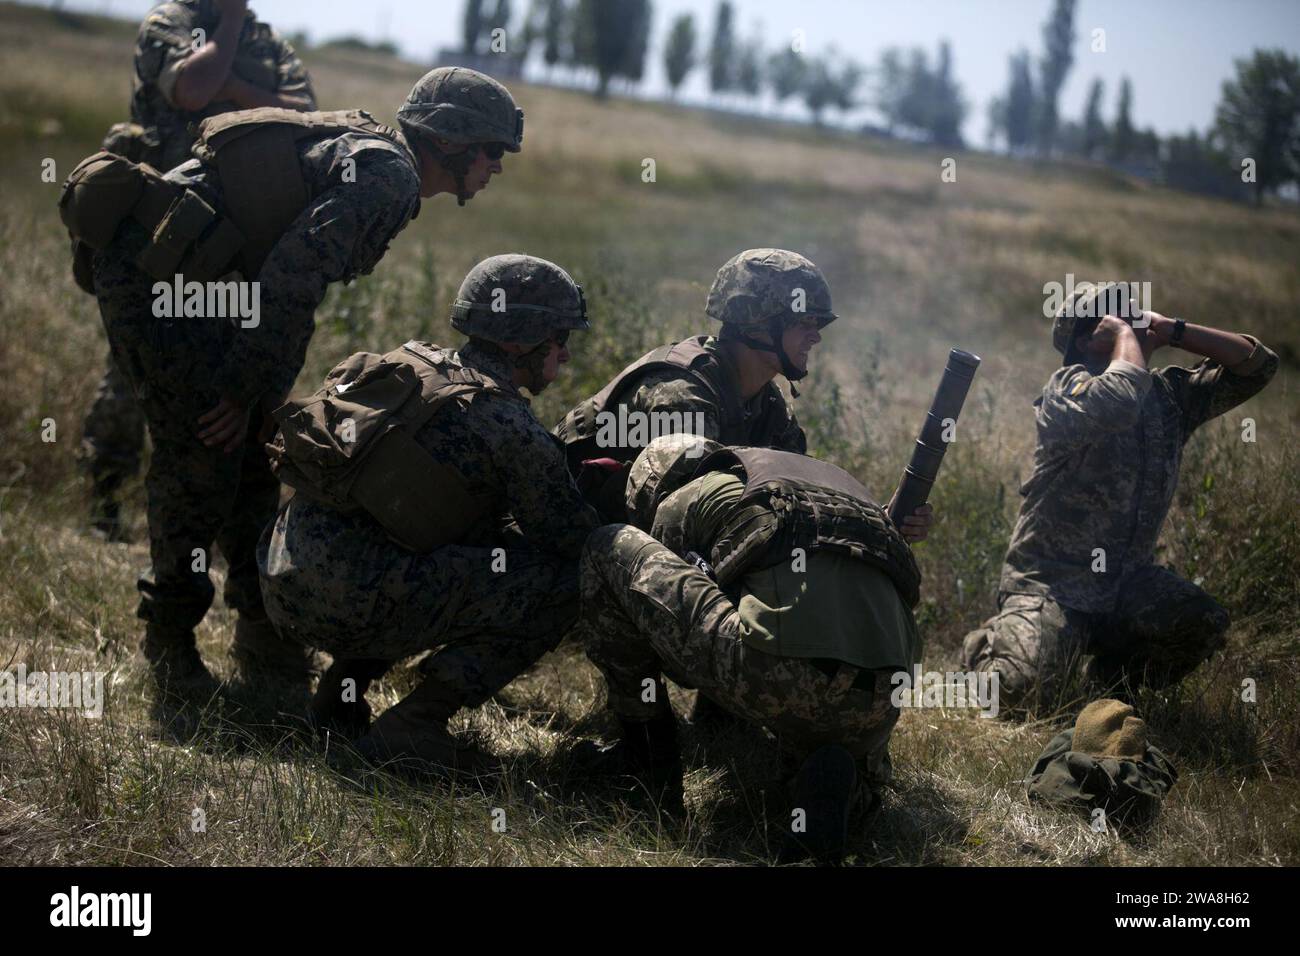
x=339, y=708
x=105, y=511
x=708, y=714
x=824, y=790
x=177, y=668
x=262, y=655
x=647, y=753
x=412, y=736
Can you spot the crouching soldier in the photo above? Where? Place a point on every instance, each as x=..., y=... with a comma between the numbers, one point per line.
x=432, y=510
x=1080, y=576
x=772, y=582
x=771, y=306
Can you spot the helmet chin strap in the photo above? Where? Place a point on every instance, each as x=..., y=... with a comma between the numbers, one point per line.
x=776, y=329
x=533, y=362
x=458, y=165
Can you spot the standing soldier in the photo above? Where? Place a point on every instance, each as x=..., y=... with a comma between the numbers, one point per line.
x=1080, y=576
x=291, y=200
x=772, y=581
x=454, y=524
x=193, y=59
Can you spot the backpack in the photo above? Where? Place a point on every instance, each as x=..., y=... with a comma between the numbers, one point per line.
x=351, y=446
x=256, y=156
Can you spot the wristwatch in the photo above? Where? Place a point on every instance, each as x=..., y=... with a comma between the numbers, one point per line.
x=1179, y=328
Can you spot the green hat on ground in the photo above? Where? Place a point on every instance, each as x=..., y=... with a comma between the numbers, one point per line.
x=1104, y=761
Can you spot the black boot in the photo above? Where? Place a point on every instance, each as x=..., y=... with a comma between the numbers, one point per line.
x=708, y=714
x=330, y=712
x=648, y=754
x=105, y=511
x=823, y=797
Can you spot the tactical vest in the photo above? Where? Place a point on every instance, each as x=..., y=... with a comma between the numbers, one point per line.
x=351, y=446
x=256, y=157
x=579, y=428
x=793, y=501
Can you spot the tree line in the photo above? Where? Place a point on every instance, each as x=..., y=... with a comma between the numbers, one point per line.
x=1252, y=147
x=917, y=94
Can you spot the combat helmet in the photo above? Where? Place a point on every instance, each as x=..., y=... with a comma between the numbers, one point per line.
x=518, y=298
x=767, y=290
x=664, y=465
x=463, y=107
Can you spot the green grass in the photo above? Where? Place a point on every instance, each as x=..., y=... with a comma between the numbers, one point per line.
x=916, y=266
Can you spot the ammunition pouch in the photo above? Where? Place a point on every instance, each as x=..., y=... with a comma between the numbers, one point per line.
x=186, y=234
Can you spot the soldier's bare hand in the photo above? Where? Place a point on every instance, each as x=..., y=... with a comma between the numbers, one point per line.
x=916, y=526
x=224, y=426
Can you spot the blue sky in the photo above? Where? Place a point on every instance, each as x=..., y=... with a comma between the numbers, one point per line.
x=1177, y=52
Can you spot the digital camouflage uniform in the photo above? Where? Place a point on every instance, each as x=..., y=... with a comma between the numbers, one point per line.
x=648, y=609
x=469, y=542
x=179, y=368
x=338, y=582
x=113, y=432
x=1110, y=444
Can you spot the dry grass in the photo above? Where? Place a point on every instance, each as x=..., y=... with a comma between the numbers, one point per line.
x=916, y=265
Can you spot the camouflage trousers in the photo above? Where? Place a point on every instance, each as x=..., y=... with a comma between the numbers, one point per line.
x=112, y=437
x=488, y=613
x=646, y=612
x=197, y=496
x=1161, y=629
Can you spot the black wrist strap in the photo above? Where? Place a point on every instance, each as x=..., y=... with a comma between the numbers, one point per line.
x=1179, y=328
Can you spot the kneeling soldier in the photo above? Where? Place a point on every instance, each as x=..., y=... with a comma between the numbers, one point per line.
x=408, y=468
x=1080, y=576
x=771, y=581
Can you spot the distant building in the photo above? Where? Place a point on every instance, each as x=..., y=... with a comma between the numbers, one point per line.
x=499, y=65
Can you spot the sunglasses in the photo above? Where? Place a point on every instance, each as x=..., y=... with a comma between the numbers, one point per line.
x=492, y=151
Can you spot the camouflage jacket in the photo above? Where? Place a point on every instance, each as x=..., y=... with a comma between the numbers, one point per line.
x=1106, y=468
x=166, y=40
x=353, y=212
x=695, y=397
x=504, y=454
x=769, y=417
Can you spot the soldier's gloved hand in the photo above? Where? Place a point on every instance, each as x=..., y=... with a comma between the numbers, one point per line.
x=916, y=525
x=224, y=426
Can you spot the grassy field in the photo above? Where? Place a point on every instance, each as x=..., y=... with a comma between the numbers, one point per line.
x=916, y=266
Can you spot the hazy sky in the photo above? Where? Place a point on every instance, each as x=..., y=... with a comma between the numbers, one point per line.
x=1177, y=52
